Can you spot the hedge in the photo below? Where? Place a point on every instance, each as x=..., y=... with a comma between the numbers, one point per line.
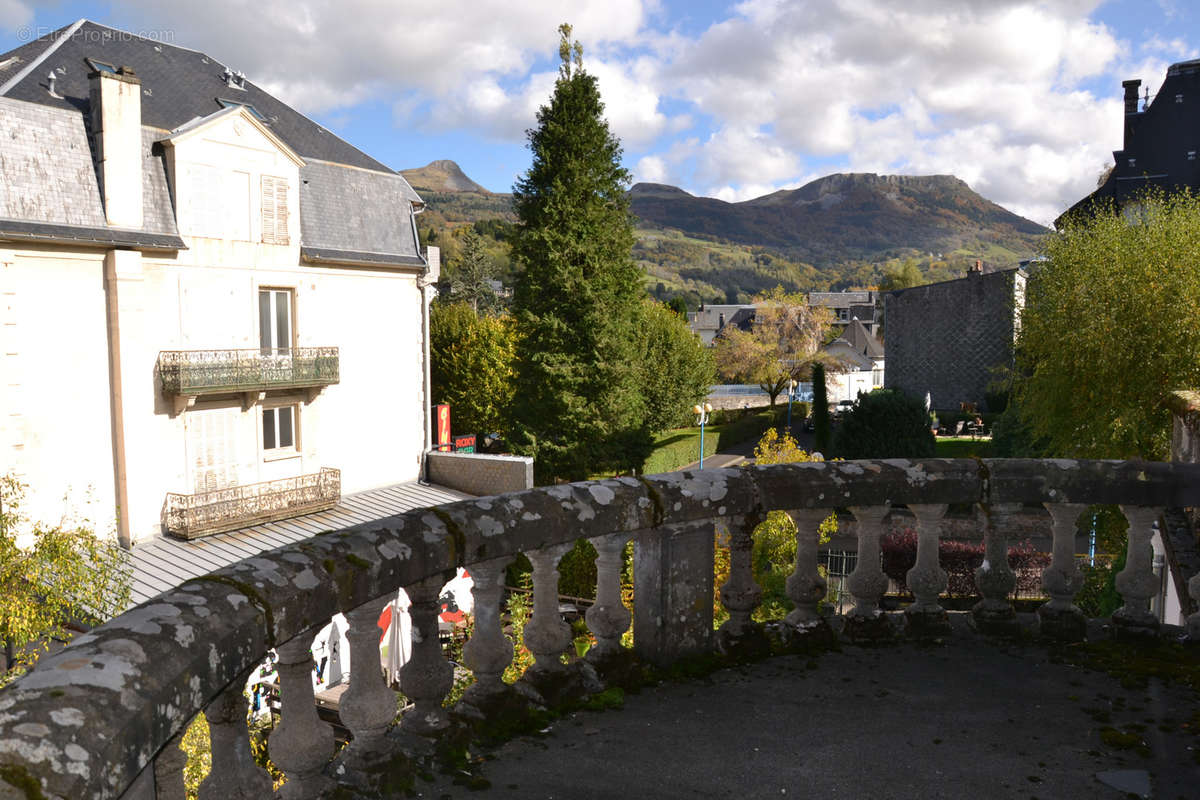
x=960, y=560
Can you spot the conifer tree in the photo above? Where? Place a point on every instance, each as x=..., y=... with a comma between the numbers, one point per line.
x=578, y=409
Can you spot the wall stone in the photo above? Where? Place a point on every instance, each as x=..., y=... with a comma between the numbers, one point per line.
x=944, y=338
x=480, y=474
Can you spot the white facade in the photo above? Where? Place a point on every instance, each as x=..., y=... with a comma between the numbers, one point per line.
x=84, y=418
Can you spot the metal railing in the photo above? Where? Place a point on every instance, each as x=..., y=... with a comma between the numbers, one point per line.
x=188, y=516
x=196, y=372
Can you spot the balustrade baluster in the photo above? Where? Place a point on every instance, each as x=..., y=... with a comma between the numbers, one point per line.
x=234, y=775
x=740, y=594
x=995, y=578
x=301, y=744
x=1137, y=583
x=868, y=583
x=546, y=635
x=927, y=580
x=489, y=652
x=427, y=677
x=805, y=586
x=168, y=771
x=368, y=706
x=608, y=618
x=1061, y=618
x=1193, y=620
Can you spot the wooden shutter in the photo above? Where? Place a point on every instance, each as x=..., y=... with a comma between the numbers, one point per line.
x=274, y=210
x=212, y=447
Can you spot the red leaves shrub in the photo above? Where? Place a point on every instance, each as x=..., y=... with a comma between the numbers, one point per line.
x=960, y=560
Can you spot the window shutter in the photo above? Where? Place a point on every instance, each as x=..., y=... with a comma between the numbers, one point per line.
x=274, y=210
x=213, y=439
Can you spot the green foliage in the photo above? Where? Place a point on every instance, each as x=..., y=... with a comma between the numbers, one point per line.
x=885, y=424
x=471, y=366
x=578, y=298
x=821, y=428
x=1109, y=330
x=197, y=746
x=679, y=306
x=780, y=346
x=520, y=609
x=675, y=368
x=901, y=275
x=59, y=574
x=472, y=272
x=676, y=449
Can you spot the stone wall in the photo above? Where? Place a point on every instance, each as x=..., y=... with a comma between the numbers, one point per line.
x=944, y=338
x=1185, y=429
x=480, y=474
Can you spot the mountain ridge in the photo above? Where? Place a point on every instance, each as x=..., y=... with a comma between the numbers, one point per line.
x=442, y=175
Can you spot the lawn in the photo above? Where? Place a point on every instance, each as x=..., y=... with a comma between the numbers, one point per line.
x=963, y=447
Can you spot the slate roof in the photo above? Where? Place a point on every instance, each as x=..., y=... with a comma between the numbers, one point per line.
x=839, y=299
x=858, y=337
x=50, y=190
x=353, y=209
x=164, y=562
x=178, y=85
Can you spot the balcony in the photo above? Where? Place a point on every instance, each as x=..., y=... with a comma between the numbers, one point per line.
x=102, y=718
x=185, y=375
x=188, y=516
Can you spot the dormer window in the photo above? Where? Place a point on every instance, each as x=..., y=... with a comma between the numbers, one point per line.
x=234, y=103
x=1133, y=162
x=101, y=66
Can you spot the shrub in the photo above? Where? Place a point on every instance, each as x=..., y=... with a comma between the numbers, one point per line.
x=885, y=424
x=960, y=560
x=820, y=409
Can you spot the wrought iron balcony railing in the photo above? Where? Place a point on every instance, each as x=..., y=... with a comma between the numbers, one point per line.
x=102, y=717
x=189, y=516
x=188, y=373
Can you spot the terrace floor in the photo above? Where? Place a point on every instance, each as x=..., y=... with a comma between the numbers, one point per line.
x=970, y=718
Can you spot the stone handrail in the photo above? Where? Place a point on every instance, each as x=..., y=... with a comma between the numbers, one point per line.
x=99, y=719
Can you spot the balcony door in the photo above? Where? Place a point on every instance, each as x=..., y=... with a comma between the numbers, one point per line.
x=275, y=334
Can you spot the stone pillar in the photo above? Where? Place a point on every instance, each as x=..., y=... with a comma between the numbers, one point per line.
x=168, y=771
x=1137, y=583
x=234, y=775
x=489, y=652
x=368, y=707
x=868, y=583
x=673, y=590
x=740, y=594
x=805, y=586
x=1061, y=618
x=608, y=618
x=301, y=744
x=995, y=578
x=927, y=580
x=427, y=677
x=1193, y=620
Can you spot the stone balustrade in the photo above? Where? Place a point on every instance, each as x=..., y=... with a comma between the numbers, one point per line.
x=102, y=718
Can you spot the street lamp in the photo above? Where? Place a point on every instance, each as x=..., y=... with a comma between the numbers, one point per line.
x=702, y=412
x=791, y=394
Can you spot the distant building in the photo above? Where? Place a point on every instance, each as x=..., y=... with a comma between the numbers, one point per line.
x=946, y=338
x=849, y=306
x=1160, y=148
x=863, y=356
x=710, y=319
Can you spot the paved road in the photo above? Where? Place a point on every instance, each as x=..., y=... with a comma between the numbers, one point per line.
x=968, y=719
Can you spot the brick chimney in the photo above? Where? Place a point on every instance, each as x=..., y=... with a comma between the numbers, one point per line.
x=116, y=109
x=1131, y=95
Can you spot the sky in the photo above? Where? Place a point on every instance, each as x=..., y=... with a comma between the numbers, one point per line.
x=1022, y=100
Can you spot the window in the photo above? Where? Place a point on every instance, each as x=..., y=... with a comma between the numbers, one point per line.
x=100, y=66
x=279, y=429
x=275, y=321
x=274, y=210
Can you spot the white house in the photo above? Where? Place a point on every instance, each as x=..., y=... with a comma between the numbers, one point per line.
x=862, y=355
x=214, y=310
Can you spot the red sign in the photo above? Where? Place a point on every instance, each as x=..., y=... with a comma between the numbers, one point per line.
x=464, y=444
x=443, y=426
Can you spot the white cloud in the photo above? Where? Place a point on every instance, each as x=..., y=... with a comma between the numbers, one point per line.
x=14, y=14
x=650, y=169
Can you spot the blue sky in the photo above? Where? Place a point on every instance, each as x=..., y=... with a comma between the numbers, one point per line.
x=730, y=100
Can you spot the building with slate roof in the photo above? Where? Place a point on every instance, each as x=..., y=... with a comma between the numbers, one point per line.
x=1160, y=148
x=849, y=306
x=215, y=311
x=863, y=357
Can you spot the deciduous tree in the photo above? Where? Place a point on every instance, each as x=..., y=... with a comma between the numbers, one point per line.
x=1110, y=329
x=782, y=344
x=676, y=369
x=471, y=366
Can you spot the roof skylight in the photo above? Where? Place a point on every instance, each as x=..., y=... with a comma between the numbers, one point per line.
x=100, y=66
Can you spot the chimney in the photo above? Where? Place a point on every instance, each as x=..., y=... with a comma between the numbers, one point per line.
x=1131, y=95
x=116, y=109
x=975, y=269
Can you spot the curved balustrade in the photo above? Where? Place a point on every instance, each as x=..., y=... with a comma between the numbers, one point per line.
x=101, y=718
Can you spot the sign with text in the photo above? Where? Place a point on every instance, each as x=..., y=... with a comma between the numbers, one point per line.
x=443, y=427
x=464, y=444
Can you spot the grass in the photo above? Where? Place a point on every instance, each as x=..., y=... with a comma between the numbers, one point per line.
x=963, y=447
x=676, y=449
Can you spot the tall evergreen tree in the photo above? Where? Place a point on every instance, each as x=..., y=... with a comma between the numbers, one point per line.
x=578, y=408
